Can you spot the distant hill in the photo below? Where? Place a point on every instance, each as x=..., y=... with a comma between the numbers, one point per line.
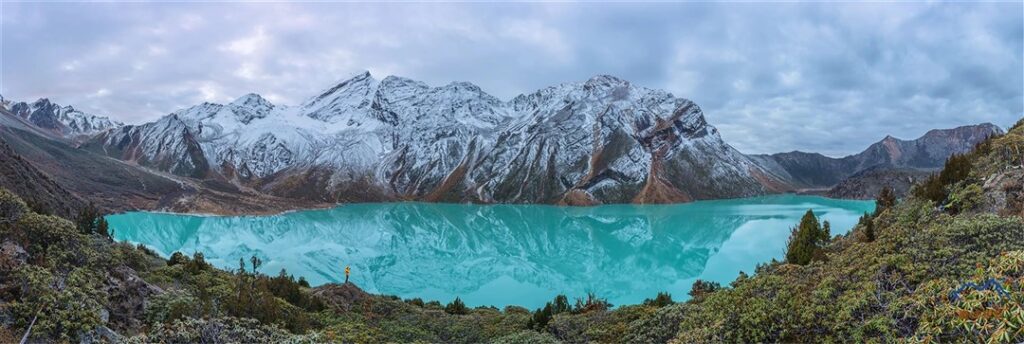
x=903, y=157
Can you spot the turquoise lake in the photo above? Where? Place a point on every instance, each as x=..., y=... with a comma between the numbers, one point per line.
x=501, y=254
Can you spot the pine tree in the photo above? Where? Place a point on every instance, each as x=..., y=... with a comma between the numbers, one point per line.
x=805, y=240
x=90, y=221
x=886, y=199
x=868, y=226
x=826, y=232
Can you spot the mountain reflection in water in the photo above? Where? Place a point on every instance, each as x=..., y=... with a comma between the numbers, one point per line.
x=500, y=254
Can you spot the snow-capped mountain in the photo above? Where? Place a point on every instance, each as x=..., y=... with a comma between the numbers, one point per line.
x=63, y=121
x=604, y=140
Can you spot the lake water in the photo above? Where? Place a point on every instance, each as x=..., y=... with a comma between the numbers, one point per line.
x=501, y=254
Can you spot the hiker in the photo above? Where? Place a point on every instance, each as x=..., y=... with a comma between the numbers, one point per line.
x=347, y=272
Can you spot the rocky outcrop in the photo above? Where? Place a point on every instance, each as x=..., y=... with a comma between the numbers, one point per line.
x=340, y=297
x=1004, y=192
x=127, y=296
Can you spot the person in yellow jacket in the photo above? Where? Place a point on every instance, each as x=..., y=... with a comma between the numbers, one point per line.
x=348, y=270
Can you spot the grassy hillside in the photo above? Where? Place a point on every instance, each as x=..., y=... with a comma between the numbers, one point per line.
x=945, y=264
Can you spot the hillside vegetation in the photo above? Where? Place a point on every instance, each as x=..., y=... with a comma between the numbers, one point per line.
x=942, y=265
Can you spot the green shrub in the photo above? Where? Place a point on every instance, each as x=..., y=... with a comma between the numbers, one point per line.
x=11, y=208
x=90, y=221
x=663, y=299
x=701, y=288
x=66, y=306
x=456, y=307
x=173, y=305
x=965, y=198
x=220, y=330
x=984, y=308
x=527, y=337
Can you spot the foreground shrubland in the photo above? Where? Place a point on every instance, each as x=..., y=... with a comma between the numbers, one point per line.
x=944, y=265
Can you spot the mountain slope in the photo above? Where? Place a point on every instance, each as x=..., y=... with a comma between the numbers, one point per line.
x=35, y=187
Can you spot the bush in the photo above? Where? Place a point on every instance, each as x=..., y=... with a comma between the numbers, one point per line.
x=456, y=307
x=591, y=303
x=177, y=258
x=172, y=305
x=65, y=307
x=219, y=330
x=886, y=199
x=42, y=234
x=527, y=337
x=90, y=221
x=664, y=299
x=985, y=308
x=701, y=288
x=11, y=208
x=965, y=198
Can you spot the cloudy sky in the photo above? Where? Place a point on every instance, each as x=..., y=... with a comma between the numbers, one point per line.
x=772, y=77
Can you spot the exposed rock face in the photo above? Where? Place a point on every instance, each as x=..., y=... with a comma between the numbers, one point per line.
x=13, y=258
x=1004, y=192
x=868, y=183
x=928, y=152
x=601, y=141
x=127, y=295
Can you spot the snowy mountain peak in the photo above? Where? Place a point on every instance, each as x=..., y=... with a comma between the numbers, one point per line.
x=393, y=82
x=604, y=81
x=341, y=100
x=252, y=100
x=64, y=121
x=249, y=107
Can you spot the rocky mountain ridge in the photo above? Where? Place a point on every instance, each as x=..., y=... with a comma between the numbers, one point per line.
x=63, y=121
x=926, y=153
x=604, y=140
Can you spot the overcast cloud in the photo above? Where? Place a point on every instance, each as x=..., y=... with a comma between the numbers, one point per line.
x=772, y=77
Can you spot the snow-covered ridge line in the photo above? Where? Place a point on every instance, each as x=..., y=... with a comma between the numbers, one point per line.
x=63, y=121
x=604, y=140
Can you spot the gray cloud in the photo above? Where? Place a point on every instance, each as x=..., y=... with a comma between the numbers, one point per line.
x=773, y=77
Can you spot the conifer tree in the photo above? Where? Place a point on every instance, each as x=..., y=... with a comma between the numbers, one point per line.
x=886, y=199
x=806, y=240
x=868, y=226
